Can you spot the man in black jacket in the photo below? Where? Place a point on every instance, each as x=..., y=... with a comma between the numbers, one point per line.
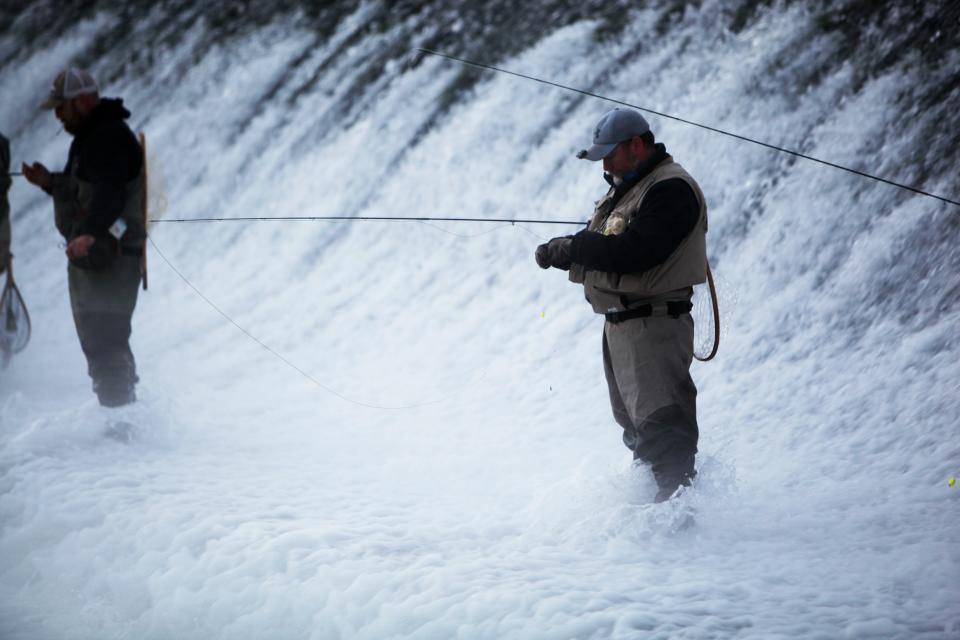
x=638, y=260
x=98, y=202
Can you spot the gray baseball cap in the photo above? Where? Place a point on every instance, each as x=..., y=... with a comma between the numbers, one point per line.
x=69, y=84
x=614, y=127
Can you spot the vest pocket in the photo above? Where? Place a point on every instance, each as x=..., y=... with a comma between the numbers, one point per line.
x=576, y=273
x=605, y=281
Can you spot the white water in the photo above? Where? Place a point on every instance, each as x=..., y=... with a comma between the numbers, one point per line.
x=498, y=502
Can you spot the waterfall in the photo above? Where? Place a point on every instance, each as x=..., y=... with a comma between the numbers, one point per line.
x=273, y=495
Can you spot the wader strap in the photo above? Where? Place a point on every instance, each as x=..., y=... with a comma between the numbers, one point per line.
x=672, y=309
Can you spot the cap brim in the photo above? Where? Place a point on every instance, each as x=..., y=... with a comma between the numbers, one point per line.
x=51, y=103
x=597, y=152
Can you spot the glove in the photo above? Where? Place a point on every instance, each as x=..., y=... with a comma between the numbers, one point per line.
x=555, y=253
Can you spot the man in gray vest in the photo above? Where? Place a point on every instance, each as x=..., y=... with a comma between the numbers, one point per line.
x=97, y=202
x=638, y=260
x=4, y=203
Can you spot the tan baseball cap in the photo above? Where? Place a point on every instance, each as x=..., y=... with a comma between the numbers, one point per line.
x=68, y=84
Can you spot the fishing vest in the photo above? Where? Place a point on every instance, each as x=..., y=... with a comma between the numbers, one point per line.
x=673, y=279
x=71, y=202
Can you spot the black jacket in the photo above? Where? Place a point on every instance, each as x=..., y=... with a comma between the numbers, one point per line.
x=107, y=155
x=668, y=214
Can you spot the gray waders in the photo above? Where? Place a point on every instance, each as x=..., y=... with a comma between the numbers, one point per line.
x=102, y=303
x=647, y=366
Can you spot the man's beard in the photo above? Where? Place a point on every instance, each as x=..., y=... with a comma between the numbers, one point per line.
x=617, y=177
x=75, y=124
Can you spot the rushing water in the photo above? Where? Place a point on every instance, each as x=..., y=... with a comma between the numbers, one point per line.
x=498, y=503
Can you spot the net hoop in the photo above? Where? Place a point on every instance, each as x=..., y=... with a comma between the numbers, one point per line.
x=12, y=304
x=716, y=320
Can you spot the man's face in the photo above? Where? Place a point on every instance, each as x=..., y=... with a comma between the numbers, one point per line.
x=625, y=157
x=70, y=114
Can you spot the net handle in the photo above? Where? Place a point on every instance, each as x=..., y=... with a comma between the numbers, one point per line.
x=142, y=138
x=716, y=318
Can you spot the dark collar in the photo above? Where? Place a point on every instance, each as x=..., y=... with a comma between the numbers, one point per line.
x=108, y=109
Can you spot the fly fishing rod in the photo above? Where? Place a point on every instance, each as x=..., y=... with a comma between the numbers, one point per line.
x=480, y=65
x=383, y=218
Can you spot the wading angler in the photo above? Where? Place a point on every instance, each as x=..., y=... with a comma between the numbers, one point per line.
x=98, y=199
x=638, y=260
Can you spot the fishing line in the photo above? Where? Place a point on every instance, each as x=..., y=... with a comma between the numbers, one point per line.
x=690, y=122
x=465, y=236
x=528, y=231
x=285, y=360
x=550, y=83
